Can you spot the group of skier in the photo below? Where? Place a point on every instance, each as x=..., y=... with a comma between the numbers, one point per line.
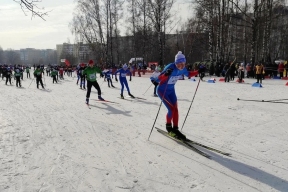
x=164, y=86
x=89, y=74
x=7, y=72
x=17, y=72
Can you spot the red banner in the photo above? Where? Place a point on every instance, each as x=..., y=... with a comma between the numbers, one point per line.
x=67, y=63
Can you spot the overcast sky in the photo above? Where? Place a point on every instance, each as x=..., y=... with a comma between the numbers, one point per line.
x=18, y=31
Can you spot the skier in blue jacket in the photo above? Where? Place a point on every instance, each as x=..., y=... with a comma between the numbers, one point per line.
x=123, y=81
x=166, y=92
x=107, y=75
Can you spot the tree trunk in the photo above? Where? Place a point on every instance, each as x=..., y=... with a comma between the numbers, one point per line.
x=210, y=30
x=110, y=30
x=254, y=32
x=107, y=30
x=245, y=34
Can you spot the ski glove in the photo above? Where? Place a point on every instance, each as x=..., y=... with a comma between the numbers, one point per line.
x=168, y=72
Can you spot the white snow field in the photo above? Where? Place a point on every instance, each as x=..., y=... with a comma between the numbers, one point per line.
x=51, y=141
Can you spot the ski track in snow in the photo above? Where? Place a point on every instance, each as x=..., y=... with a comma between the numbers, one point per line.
x=50, y=141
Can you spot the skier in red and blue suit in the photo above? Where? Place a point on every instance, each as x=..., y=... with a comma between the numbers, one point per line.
x=166, y=92
x=123, y=81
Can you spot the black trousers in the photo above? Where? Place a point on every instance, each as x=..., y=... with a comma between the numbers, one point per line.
x=232, y=75
x=8, y=78
x=54, y=79
x=18, y=82
x=39, y=80
x=259, y=78
x=155, y=86
x=202, y=74
x=89, y=86
x=110, y=82
x=227, y=77
x=82, y=81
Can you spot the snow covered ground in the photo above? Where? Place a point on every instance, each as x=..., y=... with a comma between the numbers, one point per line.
x=51, y=141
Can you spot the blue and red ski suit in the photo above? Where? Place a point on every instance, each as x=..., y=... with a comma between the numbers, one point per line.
x=166, y=90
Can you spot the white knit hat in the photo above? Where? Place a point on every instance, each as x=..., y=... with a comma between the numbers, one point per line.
x=179, y=58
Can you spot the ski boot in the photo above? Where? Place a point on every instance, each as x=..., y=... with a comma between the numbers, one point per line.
x=168, y=127
x=131, y=95
x=87, y=101
x=121, y=95
x=177, y=134
x=100, y=98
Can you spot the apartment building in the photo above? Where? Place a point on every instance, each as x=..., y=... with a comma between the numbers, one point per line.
x=30, y=56
x=80, y=51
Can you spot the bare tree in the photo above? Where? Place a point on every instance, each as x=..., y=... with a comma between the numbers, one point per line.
x=32, y=7
x=160, y=15
x=88, y=24
x=2, y=58
x=117, y=14
x=12, y=57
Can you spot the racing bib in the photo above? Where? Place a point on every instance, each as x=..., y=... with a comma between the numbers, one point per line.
x=123, y=74
x=174, y=79
x=92, y=76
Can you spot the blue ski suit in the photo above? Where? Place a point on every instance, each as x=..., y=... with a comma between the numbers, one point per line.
x=122, y=77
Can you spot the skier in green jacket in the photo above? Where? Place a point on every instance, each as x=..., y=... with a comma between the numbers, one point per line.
x=38, y=74
x=53, y=74
x=28, y=72
x=90, y=73
x=17, y=75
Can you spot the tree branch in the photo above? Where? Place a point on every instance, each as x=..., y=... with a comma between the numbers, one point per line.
x=31, y=6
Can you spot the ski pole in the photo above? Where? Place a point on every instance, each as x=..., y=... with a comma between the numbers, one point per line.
x=31, y=82
x=159, y=108
x=267, y=101
x=148, y=89
x=191, y=104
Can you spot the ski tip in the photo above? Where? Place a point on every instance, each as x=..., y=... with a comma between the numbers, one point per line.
x=238, y=99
